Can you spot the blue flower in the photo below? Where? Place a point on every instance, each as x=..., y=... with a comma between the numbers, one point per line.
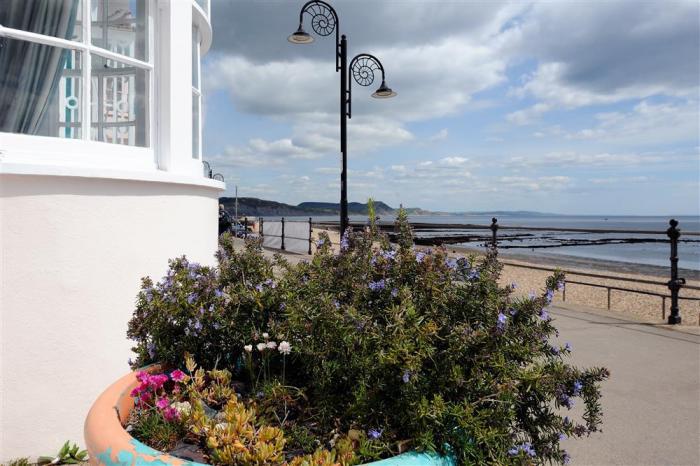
x=578, y=386
x=374, y=434
x=389, y=255
x=560, y=285
x=549, y=296
x=513, y=286
x=378, y=285
x=566, y=458
x=320, y=242
x=345, y=242
x=512, y=311
x=554, y=350
x=567, y=346
x=271, y=283
x=502, y=319
x=406, y=376
x=562, y=437
x=544, y=315
x=451, y=263
x=191, y=298
x=218, y=293
x=197, y=325
x=336, y=303
x=394, y=292
x=283, y=306
x=420, y=256
x=259, y=287
x=524, y=447
x=473, y=274
x=151, y=348
x=532, y=295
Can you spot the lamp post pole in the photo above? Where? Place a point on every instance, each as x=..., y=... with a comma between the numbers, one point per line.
x=324, y=21
x=344, y=134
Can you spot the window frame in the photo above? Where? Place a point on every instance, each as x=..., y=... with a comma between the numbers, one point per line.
x=197, y=90
x=87, y=49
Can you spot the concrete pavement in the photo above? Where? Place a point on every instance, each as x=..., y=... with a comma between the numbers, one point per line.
x=651, y=403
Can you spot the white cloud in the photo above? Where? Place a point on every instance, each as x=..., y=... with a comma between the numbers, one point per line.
x=440, y=135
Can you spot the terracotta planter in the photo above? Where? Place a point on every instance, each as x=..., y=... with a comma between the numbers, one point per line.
x=109, y=444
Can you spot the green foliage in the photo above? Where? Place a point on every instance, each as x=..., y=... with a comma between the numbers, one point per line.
x=68, y=454
x=412, y=348
x=18, y=462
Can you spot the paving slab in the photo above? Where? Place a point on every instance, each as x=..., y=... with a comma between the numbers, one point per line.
x=651, y=403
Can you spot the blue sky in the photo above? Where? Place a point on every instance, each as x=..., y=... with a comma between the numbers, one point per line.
x=569, y=107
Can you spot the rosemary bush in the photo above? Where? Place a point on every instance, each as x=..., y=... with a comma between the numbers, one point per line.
x=412, y=348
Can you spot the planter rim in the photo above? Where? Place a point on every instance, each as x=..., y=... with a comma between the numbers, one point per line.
x=109, y=444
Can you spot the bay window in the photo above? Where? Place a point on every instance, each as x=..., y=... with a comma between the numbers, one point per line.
x=69, y=78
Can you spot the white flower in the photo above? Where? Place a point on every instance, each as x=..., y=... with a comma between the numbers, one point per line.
x=183, y=408
x=248, y=348
x=285, y=347
x=272, y=345
x=266, y=335
x=261, y=346
x=221, y=426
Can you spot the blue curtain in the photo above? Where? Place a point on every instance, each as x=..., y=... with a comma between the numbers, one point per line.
x=29, y=72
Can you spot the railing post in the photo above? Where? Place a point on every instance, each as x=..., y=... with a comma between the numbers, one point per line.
x=310, y=235
x=260, y=228
x=608, y=299
x=494, y=229
x=245, y=228
x=283, y=233
x=563, y=293
x=675, y=283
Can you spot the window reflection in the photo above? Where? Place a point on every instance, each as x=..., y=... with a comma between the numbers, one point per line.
x=120, y=26
x=118, y=103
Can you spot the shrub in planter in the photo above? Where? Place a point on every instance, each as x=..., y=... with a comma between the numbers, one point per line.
x=412, y=349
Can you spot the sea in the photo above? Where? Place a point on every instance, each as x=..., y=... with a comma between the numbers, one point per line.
x=558, y=244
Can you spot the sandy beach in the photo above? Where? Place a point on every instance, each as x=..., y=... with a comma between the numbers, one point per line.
x=643, y=307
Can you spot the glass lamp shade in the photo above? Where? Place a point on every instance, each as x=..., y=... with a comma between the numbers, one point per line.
x=384, y=92
x=300, y=37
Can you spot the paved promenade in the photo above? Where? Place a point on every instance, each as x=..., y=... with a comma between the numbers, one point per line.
x=651, y=403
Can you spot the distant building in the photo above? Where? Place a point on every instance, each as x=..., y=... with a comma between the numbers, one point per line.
x=101, y=182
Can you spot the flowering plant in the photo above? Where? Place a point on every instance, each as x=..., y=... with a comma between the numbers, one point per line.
x=412, y=349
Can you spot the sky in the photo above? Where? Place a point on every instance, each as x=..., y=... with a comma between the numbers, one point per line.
x=566, y=107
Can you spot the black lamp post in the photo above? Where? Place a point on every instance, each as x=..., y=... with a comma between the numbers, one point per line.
x=324, y=21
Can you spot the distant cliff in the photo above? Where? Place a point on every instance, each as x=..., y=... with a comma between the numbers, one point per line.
x=254, y=207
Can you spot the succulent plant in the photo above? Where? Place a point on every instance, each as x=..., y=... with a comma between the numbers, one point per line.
x=68, y=454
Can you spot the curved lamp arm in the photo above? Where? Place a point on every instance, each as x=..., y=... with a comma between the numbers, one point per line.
x=362, y=69
x=324, y=21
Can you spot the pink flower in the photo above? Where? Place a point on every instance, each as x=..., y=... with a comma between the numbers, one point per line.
x=162, y=403
x=157, y=381
x=171, y=414
x=177, y=375
x=143, y=376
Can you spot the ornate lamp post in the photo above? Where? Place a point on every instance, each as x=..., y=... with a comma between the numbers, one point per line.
x=324, y=21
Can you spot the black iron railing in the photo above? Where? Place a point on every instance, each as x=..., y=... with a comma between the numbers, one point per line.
x=673, y=233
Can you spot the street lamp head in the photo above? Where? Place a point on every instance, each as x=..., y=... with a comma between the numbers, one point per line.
x=384, y=92
x=300, y=36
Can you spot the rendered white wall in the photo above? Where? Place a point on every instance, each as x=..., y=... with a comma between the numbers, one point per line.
x=72, y=252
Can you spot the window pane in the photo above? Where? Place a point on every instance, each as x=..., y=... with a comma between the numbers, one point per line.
x=119, y=103
x=56, y=18
x=195, y=125
x=203, y=5
x=195, y=58
x=40, y=89
x=120, y=26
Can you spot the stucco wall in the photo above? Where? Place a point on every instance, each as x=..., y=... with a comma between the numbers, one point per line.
x=72, y=252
